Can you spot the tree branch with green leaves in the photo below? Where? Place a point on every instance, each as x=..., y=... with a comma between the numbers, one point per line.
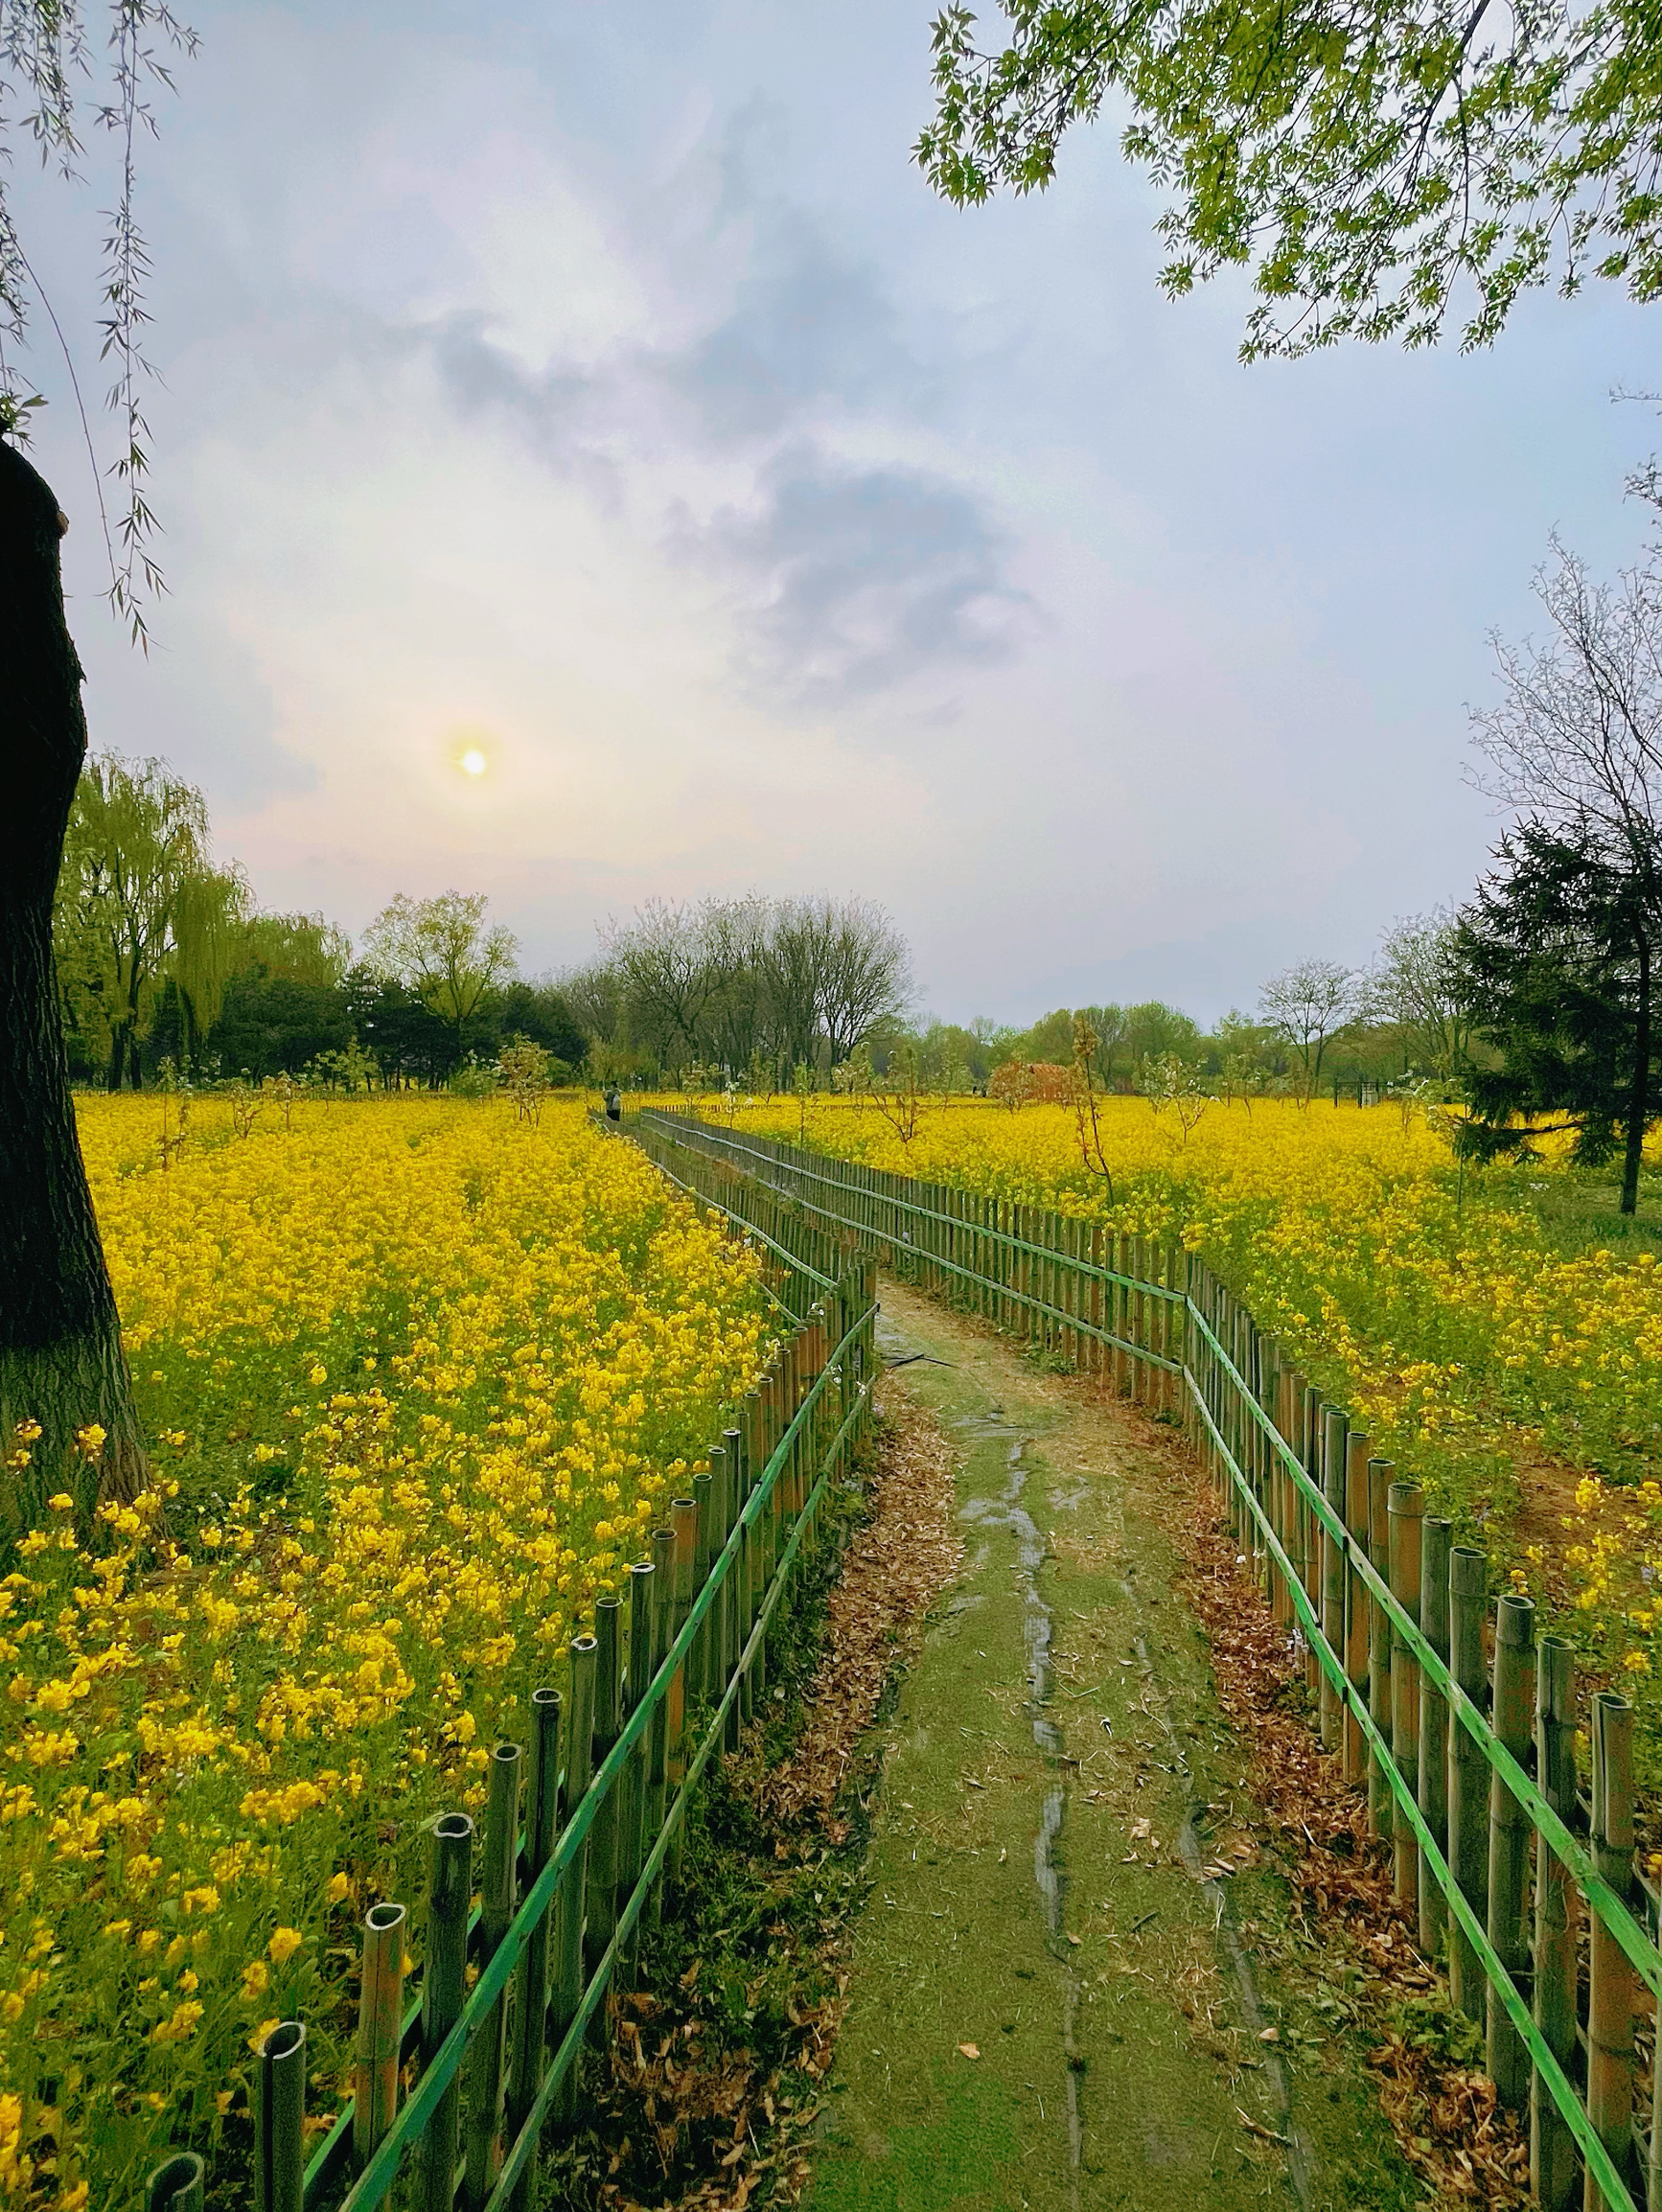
x=1376, y=164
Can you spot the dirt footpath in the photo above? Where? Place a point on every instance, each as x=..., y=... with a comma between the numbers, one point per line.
x=1055, y=2000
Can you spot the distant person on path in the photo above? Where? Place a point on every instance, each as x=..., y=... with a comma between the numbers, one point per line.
x=613, y=1106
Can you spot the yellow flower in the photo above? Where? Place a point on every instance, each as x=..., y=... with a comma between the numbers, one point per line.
x=284, y=1944
x=179, y=2024
x=256, y=1980
x=338, y=1888
x=257, y=2038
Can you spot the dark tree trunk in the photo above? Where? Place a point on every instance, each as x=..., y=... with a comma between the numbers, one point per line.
x=1639, y=1101
x=60, y=1356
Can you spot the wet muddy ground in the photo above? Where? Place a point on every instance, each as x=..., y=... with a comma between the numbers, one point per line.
x=1056, y=1996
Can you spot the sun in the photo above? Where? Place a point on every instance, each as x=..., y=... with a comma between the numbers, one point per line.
x=473, y=762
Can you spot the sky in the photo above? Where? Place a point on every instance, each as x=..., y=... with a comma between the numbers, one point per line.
x=603, y=393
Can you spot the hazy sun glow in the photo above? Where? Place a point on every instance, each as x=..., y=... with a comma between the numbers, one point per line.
x=473, y=762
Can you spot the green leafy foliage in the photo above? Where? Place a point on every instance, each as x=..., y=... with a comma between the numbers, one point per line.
x=1368, y=160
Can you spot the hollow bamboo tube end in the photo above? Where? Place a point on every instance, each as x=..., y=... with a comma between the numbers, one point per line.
x=380, y=2020
x=176, y=2184
x=580, y=1722
x=279, y=2120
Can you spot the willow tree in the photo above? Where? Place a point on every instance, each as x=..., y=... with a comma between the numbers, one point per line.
x=60, y=1358
x=140, y=905
x=1372, y=164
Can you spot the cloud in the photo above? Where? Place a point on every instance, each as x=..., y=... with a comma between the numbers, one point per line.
x=807, y=325
x=852, y=579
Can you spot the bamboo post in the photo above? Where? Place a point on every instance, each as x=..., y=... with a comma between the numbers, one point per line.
x=1333, y=1573
x=279, y=2121
x=1435, y=1538
x=683, y=1517
x=176, y=2184
x=1356, y=1606
x=1177, y=1345
x=658, y=1730
x=1509, y=1842
x=601, y=1895
x=1611, y=1983
x=380, y=2021
x=698, y=1658
x=736, y=1623
x=1405, y=1508
x=571, y=1901
x=1380, y=1706
x=444, y=1987
x=631, y=1848
x=501, y=1850
x=751, y=1462
x=1312, y=1423
x=1467, y=1774
x=541, y=1819
x=1553, y=2154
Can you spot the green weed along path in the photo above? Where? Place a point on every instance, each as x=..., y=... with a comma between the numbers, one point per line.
x=1030, y=1897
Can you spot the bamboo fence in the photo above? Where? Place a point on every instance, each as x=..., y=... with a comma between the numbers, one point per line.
x=582, y=1828
x=1459, y=1725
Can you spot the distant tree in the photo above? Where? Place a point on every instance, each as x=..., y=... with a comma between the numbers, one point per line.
x=1559, y=953
x=1310, y=1004
x=411, y=1044
x=1156, y=1031
x=1110, y=1053
x=735, y=934
x=539, y=1013
x=1416, y=986
x=865, y=980
x=952, y=1058
x=596, y=993
x=1050, y=1039
x=301, y=948
x=665, y=974
x=444, y=951
x=140, y=905
x=1367, y=166
x=285, y=1004
x=276, y=1024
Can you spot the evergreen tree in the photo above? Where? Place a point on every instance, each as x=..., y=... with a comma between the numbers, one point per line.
x=1557, y=957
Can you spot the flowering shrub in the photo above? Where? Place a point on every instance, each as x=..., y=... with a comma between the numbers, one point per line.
x=417, y=1374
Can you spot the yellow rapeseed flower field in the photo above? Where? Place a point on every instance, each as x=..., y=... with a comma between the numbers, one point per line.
x=416, y=1377
x=1439, y=1313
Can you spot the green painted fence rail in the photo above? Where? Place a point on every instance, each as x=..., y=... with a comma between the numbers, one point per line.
x=1389, y=1618
x=582, y=1829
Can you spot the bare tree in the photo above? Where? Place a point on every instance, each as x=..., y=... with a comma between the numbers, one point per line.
x=796, y=964
x=866, y=978
x=1310, y=1004
x=1575, y=746
x=662, y=961
x=735, y=937
x=1576, y=738
x=1416, y=984
x=596, y=996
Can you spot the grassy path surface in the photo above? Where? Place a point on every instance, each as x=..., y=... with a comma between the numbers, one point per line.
x=1055, y=2000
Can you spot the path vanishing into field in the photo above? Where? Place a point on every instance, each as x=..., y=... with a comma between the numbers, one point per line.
x=1056, y=1999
